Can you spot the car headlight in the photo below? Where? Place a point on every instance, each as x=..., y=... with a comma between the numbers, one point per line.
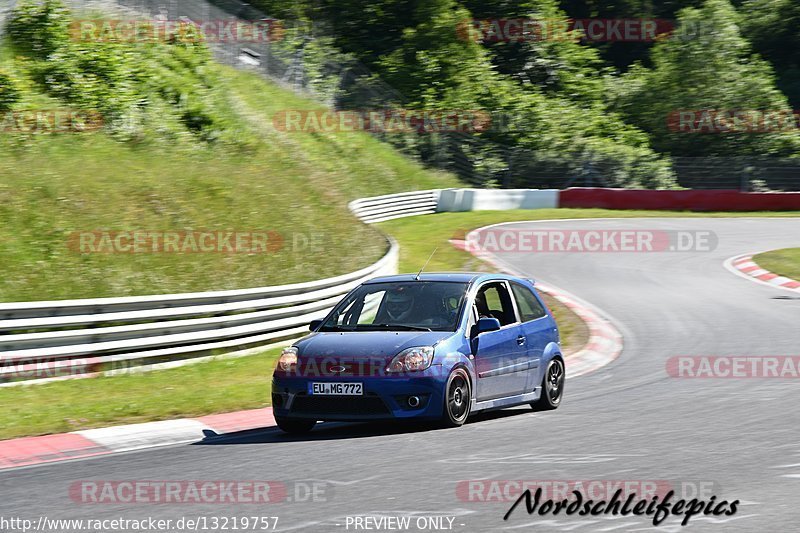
x=411, y=359
x=288, y=359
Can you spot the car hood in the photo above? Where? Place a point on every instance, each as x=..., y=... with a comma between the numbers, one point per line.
x=365, y=344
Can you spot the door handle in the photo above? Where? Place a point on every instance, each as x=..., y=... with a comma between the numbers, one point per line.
x=521, y=340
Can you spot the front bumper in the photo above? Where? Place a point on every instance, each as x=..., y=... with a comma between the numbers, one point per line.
x=384, y=398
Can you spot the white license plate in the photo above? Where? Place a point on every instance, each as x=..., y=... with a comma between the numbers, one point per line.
x=336, y=389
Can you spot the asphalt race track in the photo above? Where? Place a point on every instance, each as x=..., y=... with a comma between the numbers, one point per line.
x=733, y=438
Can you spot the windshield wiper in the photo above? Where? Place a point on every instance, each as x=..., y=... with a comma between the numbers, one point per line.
x=335, y=327
x=404, y=327
x=398, y=326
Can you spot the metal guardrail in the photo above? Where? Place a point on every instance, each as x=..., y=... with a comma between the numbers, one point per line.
x=390, y=206
x=52, y=339
x=72, y=337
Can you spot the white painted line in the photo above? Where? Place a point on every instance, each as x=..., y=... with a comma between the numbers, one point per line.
x=146, y=435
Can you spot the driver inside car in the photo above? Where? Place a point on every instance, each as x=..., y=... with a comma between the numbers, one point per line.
x=398, y=306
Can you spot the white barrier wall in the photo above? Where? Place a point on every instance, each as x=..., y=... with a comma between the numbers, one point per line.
x=390, y=206
x=496, y=199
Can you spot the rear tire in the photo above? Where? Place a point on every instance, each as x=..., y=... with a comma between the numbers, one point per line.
x=295, y=426
x=457, y=399
x=552, y=386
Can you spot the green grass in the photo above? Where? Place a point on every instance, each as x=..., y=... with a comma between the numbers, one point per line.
x=344, y=165
x=295, y=184
x=784, y=262
x=199, y=389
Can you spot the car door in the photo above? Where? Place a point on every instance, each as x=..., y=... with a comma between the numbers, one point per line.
x=500, y=356
x=537, y=327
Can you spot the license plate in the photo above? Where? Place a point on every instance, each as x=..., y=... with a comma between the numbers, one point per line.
x=336, y=389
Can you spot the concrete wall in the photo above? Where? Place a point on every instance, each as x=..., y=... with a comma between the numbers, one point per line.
x=689, y=199
x=496, y=199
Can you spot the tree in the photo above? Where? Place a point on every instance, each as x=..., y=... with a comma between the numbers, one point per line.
x=773, y=27
x=554, y=61
x=438, y=69
x=37, y=29
x=706, y=70
x=9, y=94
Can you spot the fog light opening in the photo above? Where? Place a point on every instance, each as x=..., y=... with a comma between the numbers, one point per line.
x=413, y=401
x=277, y=401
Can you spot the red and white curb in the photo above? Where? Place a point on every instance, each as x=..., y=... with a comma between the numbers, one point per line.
x=744, y=266
x=28, y=451
x=605, y=340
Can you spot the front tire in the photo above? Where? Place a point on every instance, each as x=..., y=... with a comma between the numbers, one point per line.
x=457, y=399
x=295, y=426
x=552, y=386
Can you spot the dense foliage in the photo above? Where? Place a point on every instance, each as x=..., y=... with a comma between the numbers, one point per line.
x=9, y=93
x=163, y=89
x=713, y=70
x=571, y=106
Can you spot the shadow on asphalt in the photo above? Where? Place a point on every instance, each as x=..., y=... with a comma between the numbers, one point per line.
x=343, y=430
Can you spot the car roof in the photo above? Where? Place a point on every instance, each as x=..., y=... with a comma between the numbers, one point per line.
x=455, y=277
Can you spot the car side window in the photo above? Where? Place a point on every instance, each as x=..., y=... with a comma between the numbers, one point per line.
x=528, y=305
x=493, y=301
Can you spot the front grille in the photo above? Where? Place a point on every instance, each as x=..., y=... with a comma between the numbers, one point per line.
x=339, y=405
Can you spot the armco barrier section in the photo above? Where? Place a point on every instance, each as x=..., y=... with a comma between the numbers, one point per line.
x=69, y=337
x=690, y=200
x=390, y=206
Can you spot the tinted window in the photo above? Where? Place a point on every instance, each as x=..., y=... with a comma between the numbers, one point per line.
x=528, y=304
x=399, y=306
x=493, y=301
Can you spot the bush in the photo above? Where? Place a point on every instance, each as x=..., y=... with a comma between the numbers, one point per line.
x=724, y=75
x=9, y=94
x=123, y=81
x=38, y=28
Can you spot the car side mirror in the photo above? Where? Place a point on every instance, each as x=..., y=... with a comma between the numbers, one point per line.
x=314, y=324
x=486, y=324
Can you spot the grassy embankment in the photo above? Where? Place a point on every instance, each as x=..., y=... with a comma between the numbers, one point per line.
x=298, y=185
x=168, y=178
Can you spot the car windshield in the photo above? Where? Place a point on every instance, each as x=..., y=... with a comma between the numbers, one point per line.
x=399, y=306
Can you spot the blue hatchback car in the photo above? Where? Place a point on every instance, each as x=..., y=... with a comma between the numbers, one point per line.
x=434, y=346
